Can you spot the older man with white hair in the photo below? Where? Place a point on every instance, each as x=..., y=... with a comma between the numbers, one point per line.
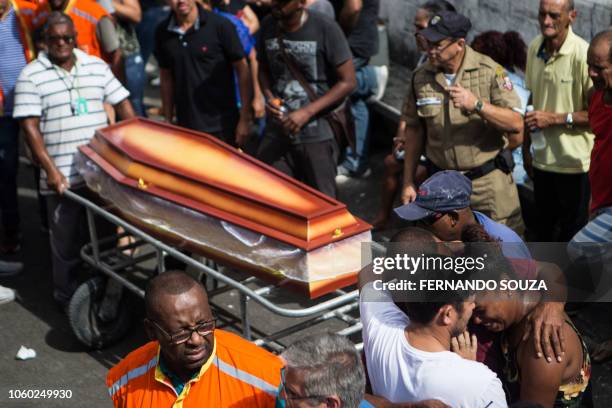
x=326, y=371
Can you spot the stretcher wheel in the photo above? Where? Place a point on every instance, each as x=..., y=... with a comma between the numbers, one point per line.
x=85, y=320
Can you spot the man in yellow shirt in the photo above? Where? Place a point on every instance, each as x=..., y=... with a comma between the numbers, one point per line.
x=558, y=141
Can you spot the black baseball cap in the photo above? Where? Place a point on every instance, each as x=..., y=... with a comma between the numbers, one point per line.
x=444, y=191
x=445, y=24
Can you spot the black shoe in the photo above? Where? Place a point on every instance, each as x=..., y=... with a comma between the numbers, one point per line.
x=10, y=268
x=11, y=243
x=62, y=306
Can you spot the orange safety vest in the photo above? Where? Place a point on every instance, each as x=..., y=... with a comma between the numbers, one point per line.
x=25, y=13
x=85, y=14
x=237, y=374
x=36, y=3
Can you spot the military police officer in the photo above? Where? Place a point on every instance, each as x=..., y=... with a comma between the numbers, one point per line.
x=461, y=111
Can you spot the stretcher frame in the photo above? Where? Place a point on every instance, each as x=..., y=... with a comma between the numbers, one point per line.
x=339, y=306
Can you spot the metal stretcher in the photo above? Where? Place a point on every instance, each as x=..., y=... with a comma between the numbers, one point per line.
x=99, y=314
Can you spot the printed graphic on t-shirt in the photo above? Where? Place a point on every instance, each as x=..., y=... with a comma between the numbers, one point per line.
x=288, y=88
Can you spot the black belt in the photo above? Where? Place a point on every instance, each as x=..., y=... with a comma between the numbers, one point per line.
x=481, y=170
x=502, y=161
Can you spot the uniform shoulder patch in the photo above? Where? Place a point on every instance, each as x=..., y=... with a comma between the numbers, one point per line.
x=502, y=78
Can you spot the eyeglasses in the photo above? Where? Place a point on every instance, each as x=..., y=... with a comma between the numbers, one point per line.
x=203, y=329
x=68, y=39
x=438, y=47
x=286, y=398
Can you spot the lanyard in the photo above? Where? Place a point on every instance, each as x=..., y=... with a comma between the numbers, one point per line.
x=78, y=106
x=74, y=81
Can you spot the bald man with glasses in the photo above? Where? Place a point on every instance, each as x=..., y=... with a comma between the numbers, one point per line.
x=189, y=362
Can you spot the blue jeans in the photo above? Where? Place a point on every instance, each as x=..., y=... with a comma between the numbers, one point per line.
x=135, y=81
x=366, y=86
x=9, y=163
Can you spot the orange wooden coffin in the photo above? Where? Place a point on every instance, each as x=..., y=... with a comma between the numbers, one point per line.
x=199, y=172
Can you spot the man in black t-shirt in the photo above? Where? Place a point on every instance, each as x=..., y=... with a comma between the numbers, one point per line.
x=300, y=142
x=358, y=19
x=198, y=52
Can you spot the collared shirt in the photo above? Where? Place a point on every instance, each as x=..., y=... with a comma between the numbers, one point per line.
x=47, y=91
x=237, y=373
x=177, y=382
x=13, y=59
x=200, y=61
x=454, y=140
x=175, y=28
x=559, y=84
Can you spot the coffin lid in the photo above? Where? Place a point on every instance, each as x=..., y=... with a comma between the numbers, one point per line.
x=203, y=173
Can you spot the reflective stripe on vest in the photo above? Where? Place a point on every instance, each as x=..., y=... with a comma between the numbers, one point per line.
x=137, y=372
x=85, y=15
x=223, y=367
x=25, y=31
x=245, y=377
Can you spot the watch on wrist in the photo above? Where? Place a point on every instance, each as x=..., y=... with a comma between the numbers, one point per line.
x=478, y=105
x=569, y=121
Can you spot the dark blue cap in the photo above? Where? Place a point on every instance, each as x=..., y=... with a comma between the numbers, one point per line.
x=446, y=24
x=444, y=191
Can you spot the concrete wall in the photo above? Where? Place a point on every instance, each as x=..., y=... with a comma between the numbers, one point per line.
x=501, y=15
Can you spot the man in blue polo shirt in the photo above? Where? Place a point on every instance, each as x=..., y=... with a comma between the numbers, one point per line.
x=442, y=206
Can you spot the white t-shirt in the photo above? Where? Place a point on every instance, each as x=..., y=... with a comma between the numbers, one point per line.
x=402, y=373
